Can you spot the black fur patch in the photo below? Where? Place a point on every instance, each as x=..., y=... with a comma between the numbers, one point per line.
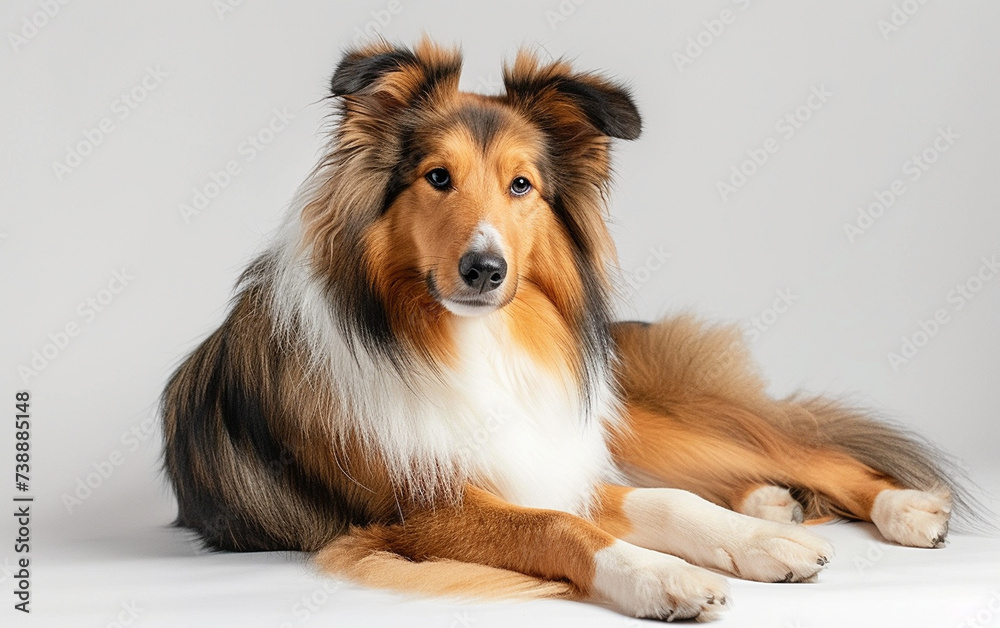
x=610, y=109
x=403, y=173
x=242, y=410
x=483, y=122
x=214, y=408
x=357, y=72
x=608, y=106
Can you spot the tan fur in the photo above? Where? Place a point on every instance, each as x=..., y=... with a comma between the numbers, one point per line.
x=609, y=514
x=361, y=557
x=693, y=396
x=549, y=545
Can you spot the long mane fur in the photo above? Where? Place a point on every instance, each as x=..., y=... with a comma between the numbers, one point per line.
x=312, y=298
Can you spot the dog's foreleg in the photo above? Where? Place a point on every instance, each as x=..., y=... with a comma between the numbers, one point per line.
x=681, y=523
x=556, y=545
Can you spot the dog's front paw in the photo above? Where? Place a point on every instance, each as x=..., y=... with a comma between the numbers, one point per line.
x=647, y=584
x=774, y=552
x=914, y=518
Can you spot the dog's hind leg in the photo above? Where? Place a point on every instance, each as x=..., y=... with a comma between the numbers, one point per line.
x=875, y=472
x=697, y=417
x=774, y=503
x=777, y=475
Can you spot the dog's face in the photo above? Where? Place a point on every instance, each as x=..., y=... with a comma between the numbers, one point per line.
x=473, y=204
x=444, y=203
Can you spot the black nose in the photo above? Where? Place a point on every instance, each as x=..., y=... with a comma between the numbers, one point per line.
x=482, y=271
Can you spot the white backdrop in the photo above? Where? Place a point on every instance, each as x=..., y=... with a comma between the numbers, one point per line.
x=824, y=175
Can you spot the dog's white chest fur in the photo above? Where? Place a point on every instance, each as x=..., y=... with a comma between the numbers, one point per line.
x=497, y=419
x=518, y=427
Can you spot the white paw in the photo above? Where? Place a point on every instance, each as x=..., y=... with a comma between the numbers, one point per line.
x=648, y=584
x=773, y=503
x=914, y=518
x=773, y=552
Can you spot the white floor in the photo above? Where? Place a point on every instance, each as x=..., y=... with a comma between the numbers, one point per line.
x=64, y=238
x=158, y=577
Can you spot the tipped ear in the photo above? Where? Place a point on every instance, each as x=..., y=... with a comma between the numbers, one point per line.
x=605, y=104
x=360, y=69
x=402, y=73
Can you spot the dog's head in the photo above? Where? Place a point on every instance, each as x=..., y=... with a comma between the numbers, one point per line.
x=446, y=203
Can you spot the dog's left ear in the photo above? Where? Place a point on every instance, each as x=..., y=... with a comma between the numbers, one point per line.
x=552, y=91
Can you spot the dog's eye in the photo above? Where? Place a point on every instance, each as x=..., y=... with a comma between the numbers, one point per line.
x=520, y=186
x=439, y=178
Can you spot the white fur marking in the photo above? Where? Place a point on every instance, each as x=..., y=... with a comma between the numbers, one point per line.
x=486, y=238
x=644, y=583
x=773, y=503
x=466, y=310
x=681, y=523
x=914, y=518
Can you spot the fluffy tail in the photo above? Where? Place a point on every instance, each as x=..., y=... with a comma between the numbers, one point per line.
x=362, y=556
x=887, y=447
x=705, y=389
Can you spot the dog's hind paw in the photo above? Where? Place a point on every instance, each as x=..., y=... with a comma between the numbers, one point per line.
x=913, y=518
x=773, y=503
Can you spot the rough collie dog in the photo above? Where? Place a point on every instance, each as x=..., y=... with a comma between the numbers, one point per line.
x=420, y=379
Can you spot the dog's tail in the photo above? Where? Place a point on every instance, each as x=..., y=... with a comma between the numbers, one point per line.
x=715, y=414
x=886, y=446
x=362, y=556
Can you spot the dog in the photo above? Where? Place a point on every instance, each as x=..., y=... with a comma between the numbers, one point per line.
x=421, y=381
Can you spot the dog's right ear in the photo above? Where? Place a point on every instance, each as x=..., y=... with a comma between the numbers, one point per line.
x=360, y=69
x=404, y=75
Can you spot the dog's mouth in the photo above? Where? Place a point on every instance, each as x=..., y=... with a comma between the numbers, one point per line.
x=469, y=303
